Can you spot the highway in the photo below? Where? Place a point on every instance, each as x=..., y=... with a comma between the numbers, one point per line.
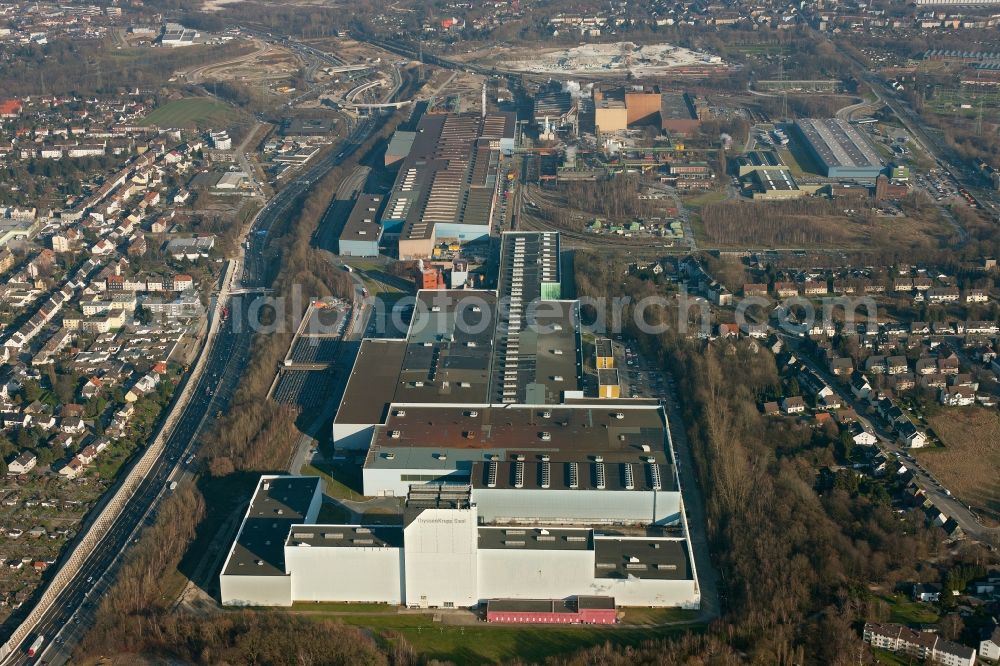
x=74, y=609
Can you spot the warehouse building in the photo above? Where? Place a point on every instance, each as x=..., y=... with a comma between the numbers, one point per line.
x=362, y=232
x=759, y=160
x=676, y=112
x=443, y=556
x=679, y=114
x=448, y=443
x=772, y=185
x=448, y=182
x=254, y=571
x=839, y=148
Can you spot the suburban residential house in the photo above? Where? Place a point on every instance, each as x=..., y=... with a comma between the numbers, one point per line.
x=73, y=425
x=862, y=437
x=902, y=381
x=72, y=469
x=793, y=405
x=926, y=592
x=943, y=295
x=841, y=366
x=758, y=331
x=860, y=386
x=22, y=464
x=811, y=288
x=895, y=365
x=831, y=401
x=957, y=396
x=976, y=296
x=911, y=436
x=785, y=289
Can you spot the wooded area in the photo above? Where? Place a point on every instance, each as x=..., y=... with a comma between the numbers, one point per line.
x=776, y=223
x=616, y=198
x=70, y=66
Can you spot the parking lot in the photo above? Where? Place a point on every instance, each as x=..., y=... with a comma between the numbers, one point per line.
x=306, y=388
x=639, y=379
x=311, y=349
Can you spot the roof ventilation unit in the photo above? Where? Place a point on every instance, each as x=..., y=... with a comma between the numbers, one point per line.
x=654, y=472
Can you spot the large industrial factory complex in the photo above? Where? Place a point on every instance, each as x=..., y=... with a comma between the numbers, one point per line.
x=447, y=186
x=526, y=494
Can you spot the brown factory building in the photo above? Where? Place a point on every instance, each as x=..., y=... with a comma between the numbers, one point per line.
x=678, y=113
x=643, y=108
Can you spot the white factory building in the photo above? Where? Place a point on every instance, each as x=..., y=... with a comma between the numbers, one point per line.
x=443, y=557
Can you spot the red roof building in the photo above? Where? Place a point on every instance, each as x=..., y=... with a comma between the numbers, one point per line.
x=582, y=610
x=10, y=108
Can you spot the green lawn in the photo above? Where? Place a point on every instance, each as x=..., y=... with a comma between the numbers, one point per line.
x=477, y=644
x=201, y=112
x=890, y=659
x=658, y=616
x=905, y=611
x=333, y=487
x=703, y=199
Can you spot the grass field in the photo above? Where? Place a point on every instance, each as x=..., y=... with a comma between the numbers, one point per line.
x=967, y=463
x=334, y=487
x=890, y=659
x=904, y=611
x=949, y=101
x=199, y=112
x=696, y=201
x=477, y=644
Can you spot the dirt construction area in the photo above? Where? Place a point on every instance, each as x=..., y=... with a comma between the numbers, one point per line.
x=616, y=58
x=268, y=62
x=968, y=463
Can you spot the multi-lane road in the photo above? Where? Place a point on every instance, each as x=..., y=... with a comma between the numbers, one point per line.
x=74, y=608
